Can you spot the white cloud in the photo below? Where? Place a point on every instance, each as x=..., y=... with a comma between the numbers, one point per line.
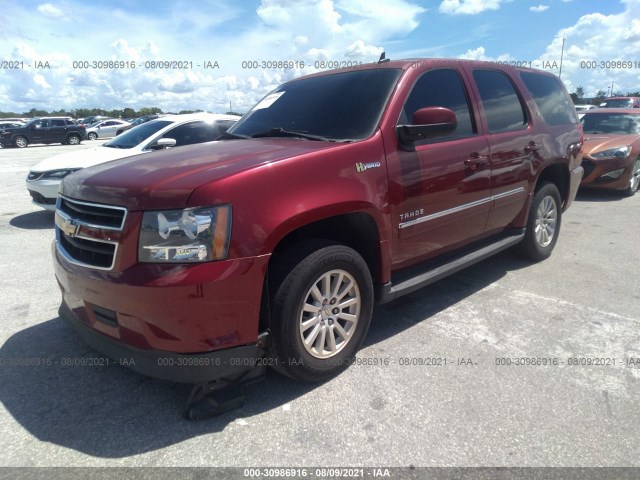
x=468, y=7
x=358, y=49
x=49, y=10
x=539, y=8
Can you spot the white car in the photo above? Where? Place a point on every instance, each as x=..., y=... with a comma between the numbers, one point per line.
x=44, y=179
x=105, y=128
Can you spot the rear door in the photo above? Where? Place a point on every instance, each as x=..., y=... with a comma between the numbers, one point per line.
x=57, y=130
x=513, y=145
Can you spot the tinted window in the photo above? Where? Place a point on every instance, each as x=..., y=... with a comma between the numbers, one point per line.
x=554, y=106
x=501, y=104
x=224, y=125
x=190, y=133
x=440, y=88
x=337, y=106
x=612, y=123
x=57, y=123
x=69, y=122
x=137, y=135
x=619, y=103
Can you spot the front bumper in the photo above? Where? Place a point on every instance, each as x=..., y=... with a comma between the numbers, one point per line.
x=181, y=368
x=181, y=323
x=594, y=169
x=44, y=193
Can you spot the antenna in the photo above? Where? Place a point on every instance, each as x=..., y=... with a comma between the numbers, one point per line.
x=383, y=58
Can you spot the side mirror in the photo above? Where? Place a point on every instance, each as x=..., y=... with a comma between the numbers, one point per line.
x=427, y=123
x=164, y=143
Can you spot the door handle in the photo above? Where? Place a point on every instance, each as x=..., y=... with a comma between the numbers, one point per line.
x=532, y=147
x=475, y=159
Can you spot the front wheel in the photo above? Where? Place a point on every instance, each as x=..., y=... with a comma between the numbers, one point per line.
x=92, y=136
x=543, y=225
x=321, y=311
x=634, y=180
x=21, y=142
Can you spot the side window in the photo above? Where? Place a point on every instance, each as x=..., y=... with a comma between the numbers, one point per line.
x=502, y=106
x=44, y=124
x=555, y=107
x=57, y=123
x=441, y=88
x=224, y=125
x=69, y=123
x=189, y=133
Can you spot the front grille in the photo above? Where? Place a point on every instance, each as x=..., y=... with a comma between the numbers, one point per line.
x=89, y=252
x=93, y=215
x=39, y=198
x=77, y=244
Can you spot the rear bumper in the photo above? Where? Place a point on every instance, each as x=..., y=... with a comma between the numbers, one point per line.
x=181, y=368
x=575, y=177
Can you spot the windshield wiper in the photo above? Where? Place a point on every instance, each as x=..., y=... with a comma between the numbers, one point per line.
x=231, y=136
x=281, y=132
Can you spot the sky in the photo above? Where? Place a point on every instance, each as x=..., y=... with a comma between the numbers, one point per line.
x=55, y=54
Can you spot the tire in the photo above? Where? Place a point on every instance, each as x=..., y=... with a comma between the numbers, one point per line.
x=318, y=342
x=20, y=141
x=634, y=181
x=543, y=225
x=92, y=135
x=73, y=140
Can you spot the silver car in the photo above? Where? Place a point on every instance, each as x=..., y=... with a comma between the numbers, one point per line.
x=105, y=129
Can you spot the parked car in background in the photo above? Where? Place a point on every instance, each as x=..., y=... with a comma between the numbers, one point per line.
x=12, y=124
x=584, y=107
x=90, y=120
x=138, y=121
x=621, y=102
x=44, y=130
x=611, y=150
x=105, y=128
x=171, y=131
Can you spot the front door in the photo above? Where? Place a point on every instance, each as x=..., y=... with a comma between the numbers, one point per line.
x=440, y=193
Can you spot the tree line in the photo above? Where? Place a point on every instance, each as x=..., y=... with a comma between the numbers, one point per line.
x=578, y=96
x=88, y=112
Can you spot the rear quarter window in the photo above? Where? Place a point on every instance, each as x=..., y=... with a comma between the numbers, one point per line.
x=554, y=105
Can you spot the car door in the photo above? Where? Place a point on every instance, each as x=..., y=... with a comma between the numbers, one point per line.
x=441, y=190
x=38, y=131
x=108, y=128
x=513, y=143
x=56, y=131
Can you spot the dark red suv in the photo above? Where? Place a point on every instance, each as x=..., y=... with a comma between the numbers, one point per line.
x=336, y=191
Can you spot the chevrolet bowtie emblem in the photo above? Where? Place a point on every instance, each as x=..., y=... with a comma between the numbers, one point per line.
x=67, y=225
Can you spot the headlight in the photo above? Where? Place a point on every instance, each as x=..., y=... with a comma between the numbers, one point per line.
x=185, y=236
x=58, y=174
x=620, y=153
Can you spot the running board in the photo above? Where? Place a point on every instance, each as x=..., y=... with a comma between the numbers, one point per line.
x=417, y=277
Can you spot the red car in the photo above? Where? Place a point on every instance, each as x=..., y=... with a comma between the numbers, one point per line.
x=611, y=150
x=336, y=191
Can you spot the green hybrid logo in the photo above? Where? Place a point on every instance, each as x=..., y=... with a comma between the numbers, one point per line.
x=361, y=167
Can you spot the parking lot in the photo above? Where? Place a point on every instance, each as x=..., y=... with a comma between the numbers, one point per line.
x=579, y=311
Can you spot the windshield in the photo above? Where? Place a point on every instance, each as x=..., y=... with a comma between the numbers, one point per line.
x=612, y=123
x=137, y=135
x=340, y=106
x=618, y=103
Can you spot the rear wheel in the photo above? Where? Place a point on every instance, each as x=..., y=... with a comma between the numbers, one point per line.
x=21, y=142
x=321, y=310
x=73, y=139
x=543, y=225
x=634, y=180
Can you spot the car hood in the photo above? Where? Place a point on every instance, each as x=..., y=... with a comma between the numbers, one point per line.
x=167, y=178
x=83, y=158
x=597, y=142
